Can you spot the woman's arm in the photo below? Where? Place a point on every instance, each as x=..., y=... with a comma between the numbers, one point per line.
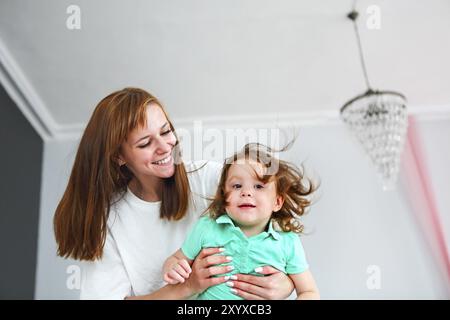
x=274, y=286
x=203, y=269
x=305, y=286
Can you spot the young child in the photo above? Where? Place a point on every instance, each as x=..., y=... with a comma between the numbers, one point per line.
x=253, y=217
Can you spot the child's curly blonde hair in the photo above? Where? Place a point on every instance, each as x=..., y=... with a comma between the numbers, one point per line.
x=291, y=185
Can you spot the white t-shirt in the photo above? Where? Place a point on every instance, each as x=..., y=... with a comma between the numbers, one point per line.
x=138, y=241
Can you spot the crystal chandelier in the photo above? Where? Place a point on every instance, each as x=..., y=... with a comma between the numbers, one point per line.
x=379, y=120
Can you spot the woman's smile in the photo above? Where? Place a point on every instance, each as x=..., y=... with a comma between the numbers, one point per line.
x=167, y=161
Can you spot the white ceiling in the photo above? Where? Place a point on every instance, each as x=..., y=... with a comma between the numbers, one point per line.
x=207, y=58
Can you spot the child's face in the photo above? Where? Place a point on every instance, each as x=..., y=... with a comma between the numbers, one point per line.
x=250, y=201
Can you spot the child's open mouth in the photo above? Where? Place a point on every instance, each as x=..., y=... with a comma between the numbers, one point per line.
x=246, y=205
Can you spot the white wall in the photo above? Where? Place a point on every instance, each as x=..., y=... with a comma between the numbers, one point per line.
x=51, y=273
x=353, y=225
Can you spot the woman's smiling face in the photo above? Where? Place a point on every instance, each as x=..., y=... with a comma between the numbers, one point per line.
x=250, y=201
x=147, y=152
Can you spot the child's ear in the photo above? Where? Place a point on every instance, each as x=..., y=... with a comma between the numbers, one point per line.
x=279, y=203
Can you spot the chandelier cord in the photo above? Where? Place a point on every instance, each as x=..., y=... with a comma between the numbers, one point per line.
x=353, y=15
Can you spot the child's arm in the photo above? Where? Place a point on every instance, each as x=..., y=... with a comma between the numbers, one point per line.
x=305, y=286
x=177, y=268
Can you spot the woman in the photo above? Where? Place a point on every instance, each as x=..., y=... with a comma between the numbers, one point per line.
x=130, y=201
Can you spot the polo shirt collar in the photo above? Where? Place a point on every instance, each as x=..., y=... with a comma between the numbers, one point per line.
x=225, y=219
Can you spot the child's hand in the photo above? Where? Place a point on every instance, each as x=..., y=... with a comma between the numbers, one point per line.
x=176, y=270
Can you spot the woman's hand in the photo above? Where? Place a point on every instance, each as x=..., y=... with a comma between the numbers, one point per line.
x=204, y=268
x=275, y=285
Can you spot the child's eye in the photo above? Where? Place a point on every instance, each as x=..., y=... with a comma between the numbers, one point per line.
x=236, y=186
x=259, y=186
x=166, y=132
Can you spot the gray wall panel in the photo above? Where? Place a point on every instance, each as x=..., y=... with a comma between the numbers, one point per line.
x=21, y=163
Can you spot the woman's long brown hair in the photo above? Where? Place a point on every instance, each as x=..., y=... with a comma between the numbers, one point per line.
x=80, y=221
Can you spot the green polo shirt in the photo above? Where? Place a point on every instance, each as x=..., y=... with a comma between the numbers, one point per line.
x=281, y=250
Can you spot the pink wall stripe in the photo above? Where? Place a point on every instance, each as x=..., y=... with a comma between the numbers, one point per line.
x=417, y=184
